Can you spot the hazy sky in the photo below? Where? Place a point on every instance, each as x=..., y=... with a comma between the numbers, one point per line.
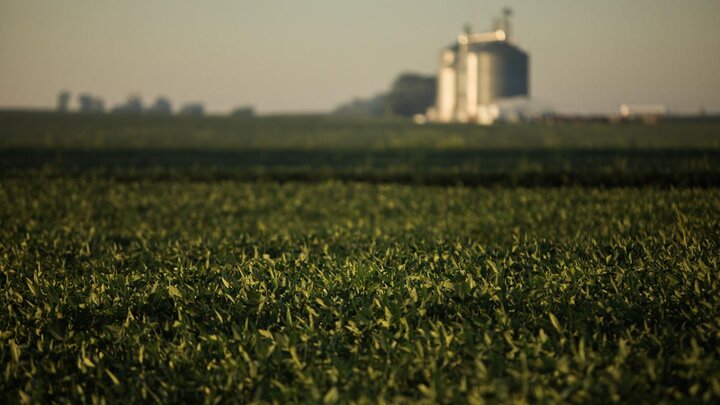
x=310, y=55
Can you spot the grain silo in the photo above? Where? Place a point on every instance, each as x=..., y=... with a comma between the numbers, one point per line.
x=480, y=69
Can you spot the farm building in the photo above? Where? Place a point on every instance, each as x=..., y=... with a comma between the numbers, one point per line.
x=478, y=72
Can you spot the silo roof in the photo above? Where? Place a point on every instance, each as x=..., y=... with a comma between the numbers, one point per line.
x=487, y=46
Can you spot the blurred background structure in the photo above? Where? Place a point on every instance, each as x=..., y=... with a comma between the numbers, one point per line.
x=480, y=71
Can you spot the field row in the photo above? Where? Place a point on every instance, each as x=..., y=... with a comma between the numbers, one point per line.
x=231, y=291
x=529, y=168
x=98, y=132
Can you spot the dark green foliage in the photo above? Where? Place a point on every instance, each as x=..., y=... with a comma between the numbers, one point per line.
x=673, y=153
x=235, y=291
x=100, y=132
x=527, y=168
x=139, y=264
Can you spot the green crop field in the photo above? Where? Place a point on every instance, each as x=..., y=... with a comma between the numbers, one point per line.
x=310, y=259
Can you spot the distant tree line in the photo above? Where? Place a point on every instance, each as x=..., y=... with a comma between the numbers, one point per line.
x=409, y=94
x=88, y=103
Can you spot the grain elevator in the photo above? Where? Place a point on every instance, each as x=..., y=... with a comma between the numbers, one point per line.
x=478, y=72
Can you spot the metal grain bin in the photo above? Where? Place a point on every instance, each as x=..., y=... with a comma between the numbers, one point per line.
x=502, y=71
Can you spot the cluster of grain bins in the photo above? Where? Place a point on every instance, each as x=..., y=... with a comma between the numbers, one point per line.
x=480, y=76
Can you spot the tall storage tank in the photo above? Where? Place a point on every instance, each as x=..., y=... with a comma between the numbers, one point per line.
x=502, y=71
x=446, y=94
